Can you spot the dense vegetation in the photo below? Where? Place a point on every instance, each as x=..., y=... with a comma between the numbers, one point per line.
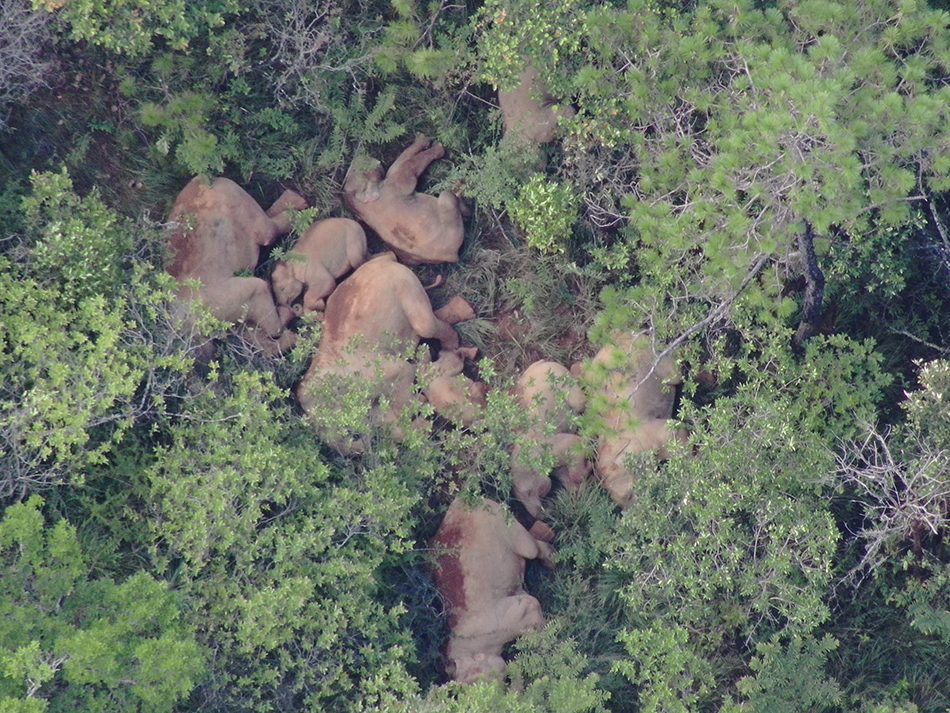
x=763, y=185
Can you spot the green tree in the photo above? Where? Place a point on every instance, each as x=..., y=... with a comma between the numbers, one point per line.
x=72, y=643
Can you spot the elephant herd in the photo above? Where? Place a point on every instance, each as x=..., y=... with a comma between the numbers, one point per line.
x=374, y=319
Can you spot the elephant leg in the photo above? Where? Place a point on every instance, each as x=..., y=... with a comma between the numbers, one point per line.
x=455, y=310
x=418, y=311
x=280, y=212
x=247, y=299
x=405, y=171
x=320, y=283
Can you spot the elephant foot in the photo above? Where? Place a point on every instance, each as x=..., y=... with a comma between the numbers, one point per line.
x=455, y=310
x=288, y=199
x=279, y=212
x=540, y=530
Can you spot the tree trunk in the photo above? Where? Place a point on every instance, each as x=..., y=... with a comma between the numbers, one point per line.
x=814, y=288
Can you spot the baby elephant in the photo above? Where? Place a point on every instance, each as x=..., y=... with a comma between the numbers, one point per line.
x=420, y=228
x=479, y=572
x=451, y=394
x=217, y=232
x=548, y=393
x=332, y=248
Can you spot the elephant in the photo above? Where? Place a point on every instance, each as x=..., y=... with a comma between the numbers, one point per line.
x=373, y=320
x=527, y=111
x=420, y=228
x=217, y=231
x=639, y=395
x=453, y=395
x=547, y=394
x=332, y=248
x=479, y=571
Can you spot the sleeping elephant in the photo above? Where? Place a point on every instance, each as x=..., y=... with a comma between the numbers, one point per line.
x=547, y=391
x=451, y=394
x=373, y=320
x=638, y=395
x=479, y=571
x=217, y=232
x=331, y=248
x=420, y=228
x=528, y=112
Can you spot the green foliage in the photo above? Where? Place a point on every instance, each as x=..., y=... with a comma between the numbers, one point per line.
x=790, y=677
x=544, y=32
x=280, y=552
x=735, y=543
x=545, y=211
x=71, y=643
x=82, y=244
x=902, y=479
x=133, y=26
x=80, y=325
x=728, y=126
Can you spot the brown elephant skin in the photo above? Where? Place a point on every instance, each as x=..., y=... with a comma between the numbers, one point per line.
x=548, y=393
x=420, y=228
x=639, y=400
x=481, y=556
x=218, y=231
x=331, y=248
x=527, y=111
x=372, y=320
x=451, y=394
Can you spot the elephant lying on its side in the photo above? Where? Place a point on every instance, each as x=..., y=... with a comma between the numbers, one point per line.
x=332, y=248
x=548, y=394
x=639, y=407
x=453, y=395
x=479, y=571
x=527, y=111
x=217, y=232
x=420, y=228
x=372, y=321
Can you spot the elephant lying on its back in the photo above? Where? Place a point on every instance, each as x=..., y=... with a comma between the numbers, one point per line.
x=420, y=228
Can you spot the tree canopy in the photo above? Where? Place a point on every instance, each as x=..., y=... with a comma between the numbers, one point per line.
x=762, y=187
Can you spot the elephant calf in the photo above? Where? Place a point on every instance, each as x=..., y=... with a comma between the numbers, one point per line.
x=420, y=228
x=218, y=231
x=331, y=248
x=639, y=400
x=481, y=556
x=374, y=319
x=547, y=392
